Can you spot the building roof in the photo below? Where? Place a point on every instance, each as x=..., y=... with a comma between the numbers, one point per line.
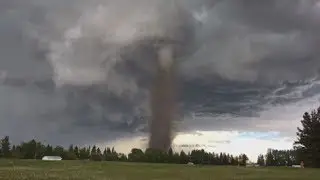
x=52, y=157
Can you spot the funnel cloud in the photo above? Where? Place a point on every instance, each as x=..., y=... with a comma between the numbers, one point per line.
x=162, y=100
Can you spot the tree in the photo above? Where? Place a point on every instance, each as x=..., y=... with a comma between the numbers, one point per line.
x=93, y=150
x=136, y=155
x=83, y=153
x=48, y=151
x=228, y=159
x=70, y=154
x=282, y=157
x=225, y=159
x=170, y=156
x=5, y=147
x=104, y=155
x=233, y=161
x=71, y=149
x=108, y=156
x=99, y=152
x=16, y=152
x=308, y=138
x=122, y=157
x=114, y=155
x=270, y=161
x=58, y=151
x=96, y=154
x=40, y=150
x=29, y=149
x=243, y=158
x=221, y=159
x=108, y=150
x=76, y=152
x=154, y=156
x=260, y=160
x=184, y=159
x=197, y=156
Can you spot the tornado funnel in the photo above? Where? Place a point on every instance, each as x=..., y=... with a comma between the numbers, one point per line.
x=162, y=100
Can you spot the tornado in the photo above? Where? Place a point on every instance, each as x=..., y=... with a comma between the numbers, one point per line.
x=163, y=99
x=172, y=44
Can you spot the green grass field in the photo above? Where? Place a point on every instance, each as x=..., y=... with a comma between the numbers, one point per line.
x=85, y=170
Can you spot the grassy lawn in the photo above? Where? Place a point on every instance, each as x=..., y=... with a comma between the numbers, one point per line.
x=83, y=170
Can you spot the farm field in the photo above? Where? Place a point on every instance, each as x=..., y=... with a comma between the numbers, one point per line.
x=85, y=170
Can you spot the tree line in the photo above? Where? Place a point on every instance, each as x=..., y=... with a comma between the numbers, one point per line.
x=306, y=148
x=275, y=157
x=37, y=150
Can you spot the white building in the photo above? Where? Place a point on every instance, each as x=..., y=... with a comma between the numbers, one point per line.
x=51, y=158
x=190, y=164
x=296, y=166
x=252, y=165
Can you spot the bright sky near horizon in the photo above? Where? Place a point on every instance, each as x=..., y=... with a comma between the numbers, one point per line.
x=235, y=143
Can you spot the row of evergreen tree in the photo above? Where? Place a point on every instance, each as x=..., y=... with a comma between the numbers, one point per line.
x=279, y=158
x=37, y=150
x=306, y=149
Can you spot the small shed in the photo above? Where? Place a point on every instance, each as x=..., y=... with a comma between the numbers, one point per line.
x=190, y=164
x=296, y=166
x=51, y=158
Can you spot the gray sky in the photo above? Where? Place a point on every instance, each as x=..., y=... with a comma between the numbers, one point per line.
x=72, y=70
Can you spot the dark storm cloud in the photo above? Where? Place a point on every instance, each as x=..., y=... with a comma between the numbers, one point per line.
x=272, y=37
x=281, y=16
x=246, y=55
